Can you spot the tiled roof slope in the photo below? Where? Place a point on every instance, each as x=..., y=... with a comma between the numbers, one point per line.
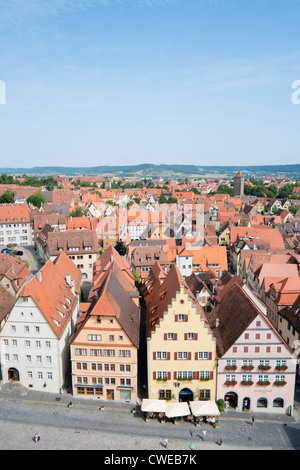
x=50, y=292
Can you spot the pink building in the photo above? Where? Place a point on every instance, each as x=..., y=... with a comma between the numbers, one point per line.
x=256, y=368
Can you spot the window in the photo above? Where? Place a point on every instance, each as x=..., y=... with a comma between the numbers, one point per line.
x=165, y=394
x=203, y=355
x=37, y=329
x=170, y=335
x=184, y=374
x=263, y=378
x=204, y=374
x=161, y=374
x=161, y=355
x=183, y=355
x=204, y=395
x=181, y=317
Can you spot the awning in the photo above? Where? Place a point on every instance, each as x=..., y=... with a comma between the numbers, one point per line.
x=155, y=406
x=174, y=410
x=204, y=408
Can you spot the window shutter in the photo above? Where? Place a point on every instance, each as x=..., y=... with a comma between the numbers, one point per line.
x=175, y=336
x=165, y=336
x=175, y=356
x=210, y=356
x=168, y=356
x=185, y=336
x=211, y=375
x=186, y=318
x=196, y=356
x=196, y=336
x=154, y=375
x=174, y=375
x=169, y=375
x=154, y=355
x=176, y=317
x=190, y=356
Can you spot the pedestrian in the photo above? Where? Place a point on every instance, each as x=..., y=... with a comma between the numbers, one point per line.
x=191, y=446
x=204, y=433
x=253, y=419
x=166, y=443
x=220, y=441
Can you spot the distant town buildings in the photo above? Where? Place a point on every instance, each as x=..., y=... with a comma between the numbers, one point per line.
x=139, y=297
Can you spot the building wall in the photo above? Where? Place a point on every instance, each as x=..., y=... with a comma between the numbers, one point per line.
x=27, y=334
x=99, y=366
x=258, y=343
x=158, y=343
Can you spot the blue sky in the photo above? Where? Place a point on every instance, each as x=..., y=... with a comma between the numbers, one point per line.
x=97, y=82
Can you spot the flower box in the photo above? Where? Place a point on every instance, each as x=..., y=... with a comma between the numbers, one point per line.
x=230, y=382
x=247, y=367
x=230, y=367
x=281, y=367
x=264, y=367
x=263, y=383
x=280, y=383
x=246, y=382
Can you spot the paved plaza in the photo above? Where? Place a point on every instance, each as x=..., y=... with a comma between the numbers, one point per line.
x=86, y=427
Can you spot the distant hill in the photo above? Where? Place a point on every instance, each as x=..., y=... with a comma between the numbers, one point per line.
x=150, y=170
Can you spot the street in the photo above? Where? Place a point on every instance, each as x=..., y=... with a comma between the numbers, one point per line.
x=83, y=428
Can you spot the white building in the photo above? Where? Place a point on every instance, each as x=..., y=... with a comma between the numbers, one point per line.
x=34, y=342
x=15, y=225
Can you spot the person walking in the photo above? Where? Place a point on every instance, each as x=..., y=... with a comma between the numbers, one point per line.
x=204, y=434
x=253, y=419
x=166, y=443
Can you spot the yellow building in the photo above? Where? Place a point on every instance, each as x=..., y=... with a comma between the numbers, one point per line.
x=180, y=346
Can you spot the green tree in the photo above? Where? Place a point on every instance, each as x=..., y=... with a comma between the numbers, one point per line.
x=37, y=199
x=8, y=197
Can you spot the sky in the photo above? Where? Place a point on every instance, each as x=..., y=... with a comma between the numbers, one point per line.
x=124, y=82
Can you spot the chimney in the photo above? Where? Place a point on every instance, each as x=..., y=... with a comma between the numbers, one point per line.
x=217, y=322
x=39, y=276
x=111, y=258
x=68, y=279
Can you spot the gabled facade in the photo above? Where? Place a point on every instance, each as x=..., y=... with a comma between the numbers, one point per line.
x=256, y=368
x=104, y=349
x=180, y=345
x=34, y=339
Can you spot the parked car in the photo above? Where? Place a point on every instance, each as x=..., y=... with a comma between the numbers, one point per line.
x=6, y=250
x=20, y=253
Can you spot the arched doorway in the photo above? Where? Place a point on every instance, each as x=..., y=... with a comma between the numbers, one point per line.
x=231, y=400
x=186, y=395
x=13, y=375
x=246, y=404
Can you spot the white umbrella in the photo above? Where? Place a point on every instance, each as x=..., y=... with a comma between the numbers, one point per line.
x=155, y=406
x=204, y=408
x=174, y=410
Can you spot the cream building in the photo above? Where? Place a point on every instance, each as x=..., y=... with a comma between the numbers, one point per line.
x=181, y=348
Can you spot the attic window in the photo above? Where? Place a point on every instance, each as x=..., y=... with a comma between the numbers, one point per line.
x=182, y=301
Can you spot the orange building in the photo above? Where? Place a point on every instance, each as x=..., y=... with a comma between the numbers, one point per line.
x=104, y=349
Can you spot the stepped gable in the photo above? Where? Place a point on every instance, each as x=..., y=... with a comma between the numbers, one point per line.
x=161, y=299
